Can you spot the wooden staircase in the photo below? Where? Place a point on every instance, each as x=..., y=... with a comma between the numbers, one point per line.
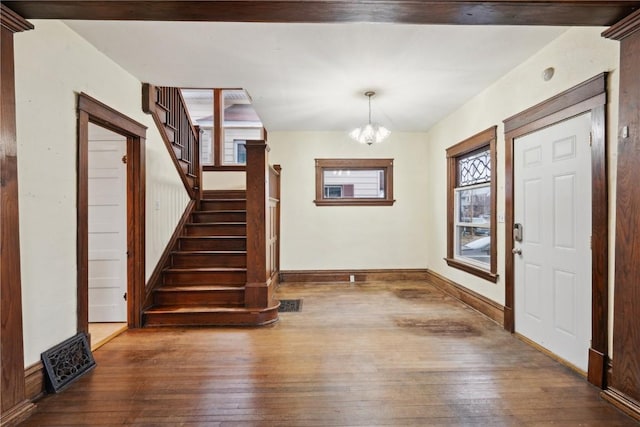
x=203, y=282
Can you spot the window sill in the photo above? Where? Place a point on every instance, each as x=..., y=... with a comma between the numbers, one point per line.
x=484, y=274
x=228, y=168
x=354, y=202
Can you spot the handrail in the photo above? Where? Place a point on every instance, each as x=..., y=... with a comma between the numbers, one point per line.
x=169, y=111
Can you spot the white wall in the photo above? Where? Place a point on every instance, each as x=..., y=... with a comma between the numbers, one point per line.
x=54, y=64
x=577, y=55
x=351, y=237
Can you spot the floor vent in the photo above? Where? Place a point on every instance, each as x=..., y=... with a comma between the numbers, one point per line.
x=66, y=362
x=290, y=305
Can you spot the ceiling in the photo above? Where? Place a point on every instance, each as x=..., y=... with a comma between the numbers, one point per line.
x=313, y=76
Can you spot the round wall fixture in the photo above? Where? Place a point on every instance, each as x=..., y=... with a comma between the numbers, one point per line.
x=548, y=74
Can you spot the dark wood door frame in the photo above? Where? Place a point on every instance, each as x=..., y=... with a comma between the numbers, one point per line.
x=92, y=111
x=590, y=96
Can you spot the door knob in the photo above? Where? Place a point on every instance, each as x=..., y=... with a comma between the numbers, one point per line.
x=516, y=251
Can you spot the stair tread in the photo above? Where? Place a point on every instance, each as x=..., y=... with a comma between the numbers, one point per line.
x=180, y=288
x=224, y=200
x=221, y=211
x=212, y=237
x=209, y=252
x=185, y=269
x=205, y=309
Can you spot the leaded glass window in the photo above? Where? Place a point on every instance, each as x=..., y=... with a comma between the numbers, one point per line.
x=474, y=168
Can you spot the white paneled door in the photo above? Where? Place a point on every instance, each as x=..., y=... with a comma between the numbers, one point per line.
x=552, y=262
x=107, y=226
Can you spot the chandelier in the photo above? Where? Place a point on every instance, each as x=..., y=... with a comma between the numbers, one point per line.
x=371, y=132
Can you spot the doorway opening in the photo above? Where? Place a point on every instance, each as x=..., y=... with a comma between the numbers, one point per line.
x=588, y=97
x=110, y=219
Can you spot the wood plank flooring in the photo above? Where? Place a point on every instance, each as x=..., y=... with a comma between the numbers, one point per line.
x=371, y=354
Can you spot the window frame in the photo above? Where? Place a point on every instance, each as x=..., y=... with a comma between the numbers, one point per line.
x=386, y=165
x=482, y=140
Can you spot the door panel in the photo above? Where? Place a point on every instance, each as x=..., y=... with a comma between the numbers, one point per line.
x=107, y=226
x=552, y=200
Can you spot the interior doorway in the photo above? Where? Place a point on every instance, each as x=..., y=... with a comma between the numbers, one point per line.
x=588, y=97
x=111, y=216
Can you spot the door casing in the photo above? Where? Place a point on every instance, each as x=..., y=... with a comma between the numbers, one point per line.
x=589, y=96
x=92, y=110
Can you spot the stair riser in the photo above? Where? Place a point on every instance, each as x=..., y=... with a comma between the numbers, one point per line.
x=224, y=194
x=217, y=230
x=199, y=217
x=239, y=244
x=209, y=260
x=218, y=297
x=214, y=319
x=223, y=205
x=227, y=278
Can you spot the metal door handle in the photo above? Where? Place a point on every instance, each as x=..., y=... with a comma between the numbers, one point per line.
x=516, y=251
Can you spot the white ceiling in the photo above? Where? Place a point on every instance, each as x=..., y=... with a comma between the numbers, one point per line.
x=313, y=76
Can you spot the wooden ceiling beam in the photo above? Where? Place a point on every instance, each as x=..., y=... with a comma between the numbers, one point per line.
x=496, y=12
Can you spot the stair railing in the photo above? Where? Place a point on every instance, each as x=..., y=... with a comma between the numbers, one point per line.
x=167, y=107
x=263, y=226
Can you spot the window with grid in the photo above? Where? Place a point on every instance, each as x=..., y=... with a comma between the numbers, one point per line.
x=471, y=205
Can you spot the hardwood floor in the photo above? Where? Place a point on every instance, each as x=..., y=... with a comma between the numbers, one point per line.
x=399, y=353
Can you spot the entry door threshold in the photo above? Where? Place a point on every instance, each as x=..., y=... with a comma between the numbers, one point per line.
x=103, y=340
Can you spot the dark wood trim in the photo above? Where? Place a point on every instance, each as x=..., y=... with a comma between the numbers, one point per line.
x=625, y=378
x=93, y=111
x=13, y=405
x=472, y=269
x=359, y=275
x=155, y=280
x=218, y=111
x=622, y=402
x=34, y=381
x=597, y=368
x=495, y=12
x=384, y=164
x=479, y=141
x=256, y=288
x=624, y=28
x=588, y=96
x=230, y=168
x=586, y=90
x=12, y=21
x=482, y=304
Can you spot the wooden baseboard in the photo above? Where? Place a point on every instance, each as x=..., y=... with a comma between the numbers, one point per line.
x=345, y=275
x=622, y=402
x=15, y=415
x=478, y=302
x=597, y=370
x=156, y=276
x=34, y=381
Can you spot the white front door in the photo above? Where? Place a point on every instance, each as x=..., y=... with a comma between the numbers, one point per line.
x=107, y=226
x=552, y=202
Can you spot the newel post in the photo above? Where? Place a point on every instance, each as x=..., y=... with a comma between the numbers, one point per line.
x=257, y=286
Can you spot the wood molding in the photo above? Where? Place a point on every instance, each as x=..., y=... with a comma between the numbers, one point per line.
x=155, y=280
x=624, y=28
x=359, y=275
x=597, y=369
x=622, y=402
x=589, y=96
x=13, y=405
x=584, y=91
x=626, y=314
x=12, y=21
x=35, y=384
x=463, y=12
x=480, y=303
x=332, y=164
x=93, y=111
x=479, y=141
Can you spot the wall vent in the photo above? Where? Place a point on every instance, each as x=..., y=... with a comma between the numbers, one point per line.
x=66, y=362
